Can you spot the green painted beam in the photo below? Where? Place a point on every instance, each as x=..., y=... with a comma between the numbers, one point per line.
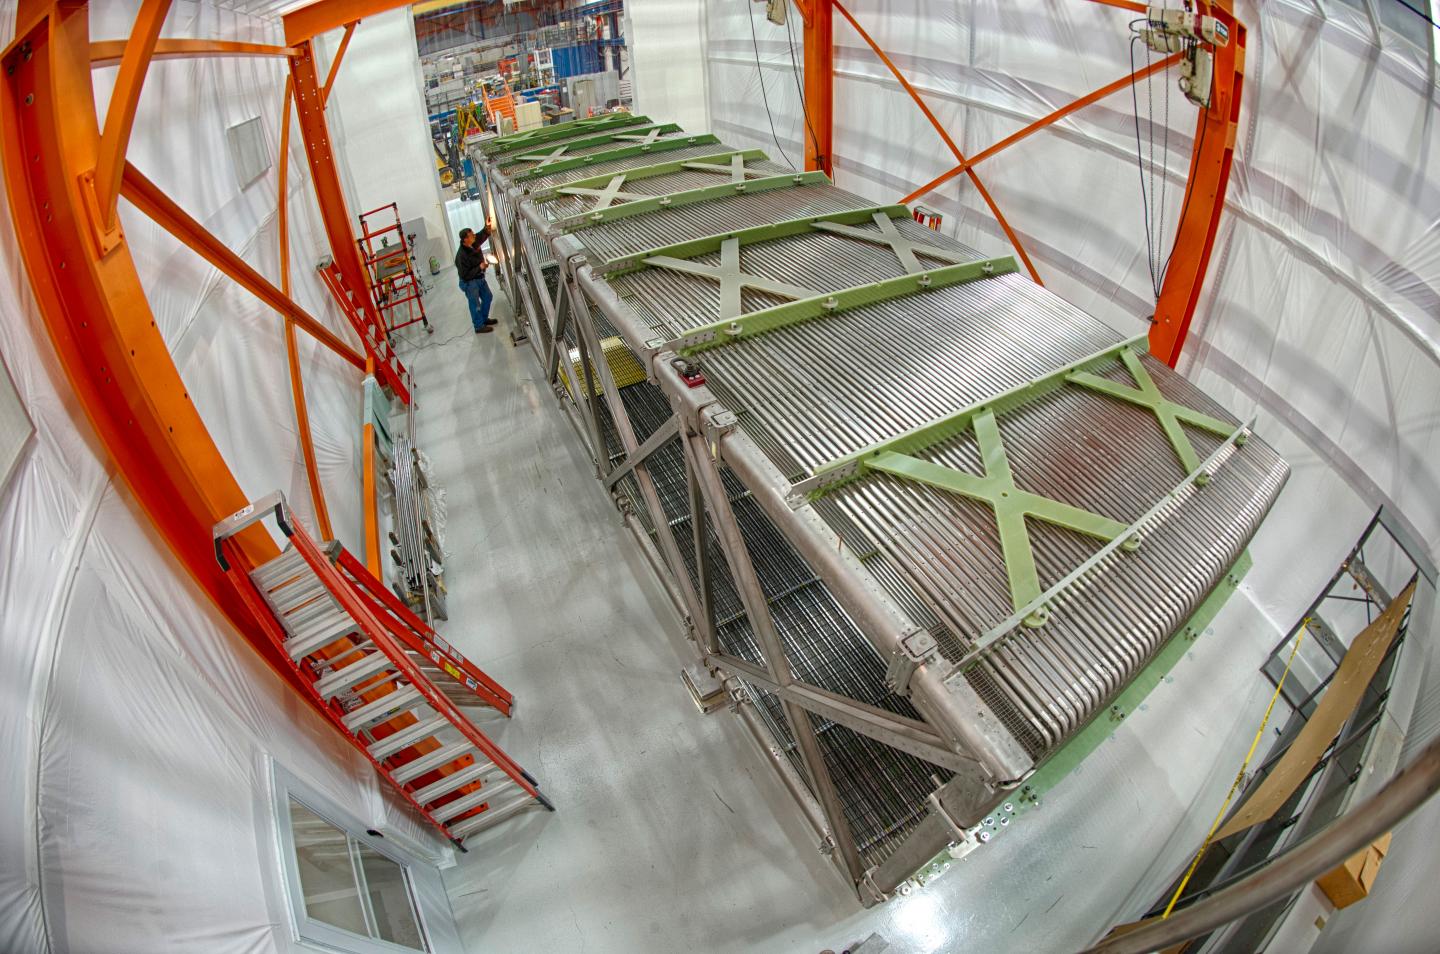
x=720, y=333
x=510, y=159
x=675, y=200
x=1012, y=506
x=534, y=137
x=644, y=172
x=611, y=155
x=1104, y=724
x=837, y=472
x=1167, y=412
x=760, y=233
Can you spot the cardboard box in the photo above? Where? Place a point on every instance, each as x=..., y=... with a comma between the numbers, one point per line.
x=1352, y=880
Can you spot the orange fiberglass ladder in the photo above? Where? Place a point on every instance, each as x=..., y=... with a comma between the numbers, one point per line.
x=374, y=336
x=383, y=677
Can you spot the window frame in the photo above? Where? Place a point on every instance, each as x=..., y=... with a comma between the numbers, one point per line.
x=310, y=932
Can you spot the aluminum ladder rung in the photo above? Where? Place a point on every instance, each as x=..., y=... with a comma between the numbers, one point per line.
x=319, y=634
x=494, y=816
x=407, y=737
x=347, y=676
x=292, y=596
x=378, y=708
x=461, y=805
x=302, y=615
x=277, y=569
x=433, y=760
x=453, y=781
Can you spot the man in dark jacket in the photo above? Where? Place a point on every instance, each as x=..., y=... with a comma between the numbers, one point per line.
x=470, y=267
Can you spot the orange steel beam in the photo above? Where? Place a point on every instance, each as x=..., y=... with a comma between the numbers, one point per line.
x=147, y=197
x=819, y=90
x=310, y=21
x=104, y=182
x=959, y=156
x=1041, y=123
x=109, y=52
x=292, y=347
x=1209, y=176
x=369, y=498
x=98, y=319
x=325, y=178
x=335, y=64
x=1124, y=5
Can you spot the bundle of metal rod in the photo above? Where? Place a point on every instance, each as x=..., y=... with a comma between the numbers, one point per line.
x=419, y=566
x=929, y=518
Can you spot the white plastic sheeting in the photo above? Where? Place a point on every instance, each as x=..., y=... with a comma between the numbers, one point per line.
x=136, y=727
x=377, y=114
x=666, y=41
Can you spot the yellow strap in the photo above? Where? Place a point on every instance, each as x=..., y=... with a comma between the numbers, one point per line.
x=1240, y=775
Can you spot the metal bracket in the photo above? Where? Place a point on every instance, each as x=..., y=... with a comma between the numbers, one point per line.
x=914, y=651
x=717, y=422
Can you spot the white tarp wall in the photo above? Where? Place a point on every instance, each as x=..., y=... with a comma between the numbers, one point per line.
x=377, y=115
x=135, y=725
x=1321, y=311
x=666, y=42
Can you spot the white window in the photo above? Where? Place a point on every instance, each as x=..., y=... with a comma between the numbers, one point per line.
x=349, y=888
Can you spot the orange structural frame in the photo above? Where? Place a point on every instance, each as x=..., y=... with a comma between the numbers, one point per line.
x=63, y=177
x=1209, y=166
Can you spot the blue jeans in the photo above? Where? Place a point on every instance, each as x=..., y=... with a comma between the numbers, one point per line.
x=477, y=293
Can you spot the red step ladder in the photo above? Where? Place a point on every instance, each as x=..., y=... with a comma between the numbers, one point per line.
x=382, y=677
x=373, y=336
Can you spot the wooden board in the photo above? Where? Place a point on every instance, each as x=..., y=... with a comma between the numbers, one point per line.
x=1341, y=697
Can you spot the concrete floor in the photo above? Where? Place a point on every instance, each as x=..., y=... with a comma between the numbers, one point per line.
x=671, y=832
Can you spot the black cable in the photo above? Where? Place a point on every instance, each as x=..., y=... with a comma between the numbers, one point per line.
x=760, y=75
x=804, y=106
x=1140, y=167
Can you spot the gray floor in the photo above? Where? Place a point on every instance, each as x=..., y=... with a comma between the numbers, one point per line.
x=671, y=833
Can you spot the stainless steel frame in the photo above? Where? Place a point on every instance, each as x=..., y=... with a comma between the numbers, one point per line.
x=837, y=626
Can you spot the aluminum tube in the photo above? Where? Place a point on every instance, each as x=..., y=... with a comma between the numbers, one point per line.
x=953, y=709
x=1297, y=867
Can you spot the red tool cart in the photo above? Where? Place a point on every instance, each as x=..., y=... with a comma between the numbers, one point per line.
x=389, y=257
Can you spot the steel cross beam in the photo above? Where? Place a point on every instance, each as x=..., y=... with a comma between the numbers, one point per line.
x=777, y=666
x=1167, y=412
x=1011, y=506
x=110, y=52
x=622, y=152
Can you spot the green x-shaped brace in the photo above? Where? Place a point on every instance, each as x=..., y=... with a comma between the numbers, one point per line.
x=735, y=168
x=645, y=140
x=544, y=159
x=1011, y=505
x=731, y=279
x=905, y=249
x=1167, y=412
x=604, y=198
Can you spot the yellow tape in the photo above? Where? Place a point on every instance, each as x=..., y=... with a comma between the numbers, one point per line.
x=1240, y=775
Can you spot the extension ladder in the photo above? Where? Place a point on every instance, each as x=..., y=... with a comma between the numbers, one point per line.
x=381, y=676
x=372, y=334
